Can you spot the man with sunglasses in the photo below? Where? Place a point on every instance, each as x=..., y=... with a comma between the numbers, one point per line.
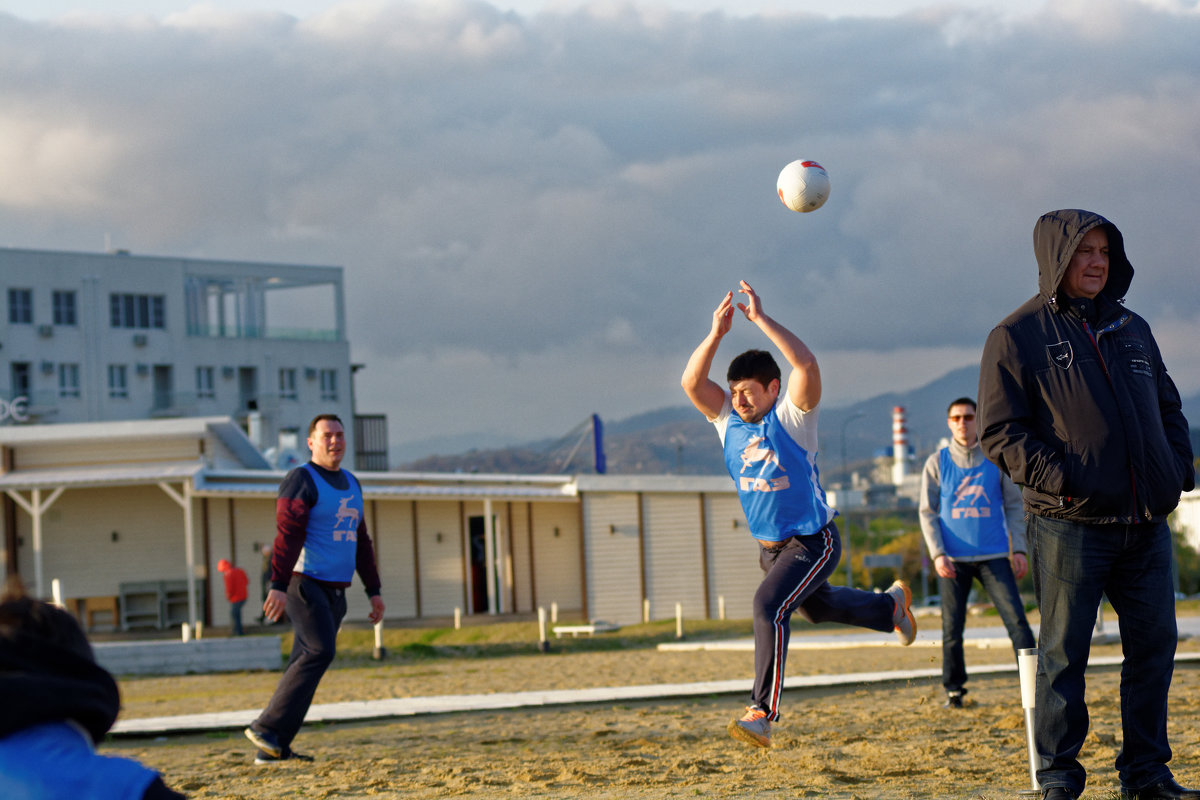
x=973, y=523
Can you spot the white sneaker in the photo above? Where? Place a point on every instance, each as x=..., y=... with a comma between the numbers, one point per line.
x=902, y=616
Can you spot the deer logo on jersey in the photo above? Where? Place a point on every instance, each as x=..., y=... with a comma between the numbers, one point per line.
x=970, y=500
x=345, y=525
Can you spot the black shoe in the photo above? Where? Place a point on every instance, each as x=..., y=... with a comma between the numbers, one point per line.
x=288, y=755
x=1163, y=790
x=1058, y=793
x=954, y=699
x=265, y=741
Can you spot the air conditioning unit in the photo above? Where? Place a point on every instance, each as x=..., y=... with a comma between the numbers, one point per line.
x=45, y=331
x=142, y=370
x=310, y=374
x=47, y=367
x=139, y=340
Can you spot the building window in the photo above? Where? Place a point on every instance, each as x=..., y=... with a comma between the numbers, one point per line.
x=64, y=308
x=137, y=311
x=68, y=380
x=118, y=383
x=20, y=375
x=20, y=306
x=329, y=384
x=205, y=385
x=287, y=384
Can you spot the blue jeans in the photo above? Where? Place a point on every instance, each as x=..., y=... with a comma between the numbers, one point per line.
x=235, y=616
x=316, y=611
x=1074, y=565
x=998, y=581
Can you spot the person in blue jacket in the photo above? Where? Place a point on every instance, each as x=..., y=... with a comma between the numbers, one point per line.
x=57, y=704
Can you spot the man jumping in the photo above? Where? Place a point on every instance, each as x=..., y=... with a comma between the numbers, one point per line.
x=770, y=450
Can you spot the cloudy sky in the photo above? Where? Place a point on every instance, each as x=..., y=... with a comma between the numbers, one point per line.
x=539, y=204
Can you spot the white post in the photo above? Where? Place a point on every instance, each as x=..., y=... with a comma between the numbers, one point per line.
x=645, y=609
x=679, y=620
x=554, y=612
x=721, y=607
x=379, y=651
x=199, y=630
x=1027, y=659
x=56, y=592
x=457, y=618
x=185, y=632
x=543, y=643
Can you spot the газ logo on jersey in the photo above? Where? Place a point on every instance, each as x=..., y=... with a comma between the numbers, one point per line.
x=966, y=495
x=754, y=454
x=345, y=525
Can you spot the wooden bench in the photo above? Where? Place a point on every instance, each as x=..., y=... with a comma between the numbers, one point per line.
x=86, y=609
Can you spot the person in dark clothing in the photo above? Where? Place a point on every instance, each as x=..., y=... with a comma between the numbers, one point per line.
x=58, y=703
x=321, y=541
x=1076, y=406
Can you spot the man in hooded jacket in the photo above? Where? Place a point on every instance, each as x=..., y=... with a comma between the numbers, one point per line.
x=1075, y=405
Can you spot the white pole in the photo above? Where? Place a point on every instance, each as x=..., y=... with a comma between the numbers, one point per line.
x=185, y=632
x=1027, y=659
x=379, y=651
x=457, y=618
x=199, y=630
x=721, y=607
x=56, y=592
x=679, y=620
x=543, y=643
x=645, y=609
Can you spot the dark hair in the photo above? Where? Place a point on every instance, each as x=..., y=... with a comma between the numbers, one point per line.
x=312, y=426
x=22, y=614
x=757, y=365
x=962, y=401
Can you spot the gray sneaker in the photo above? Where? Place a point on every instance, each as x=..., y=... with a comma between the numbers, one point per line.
x=902, y=616
x=265, y=741
x=753, y=728
x=288, y=755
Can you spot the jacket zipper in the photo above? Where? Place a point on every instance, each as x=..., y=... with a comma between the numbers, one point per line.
x=1094, y=337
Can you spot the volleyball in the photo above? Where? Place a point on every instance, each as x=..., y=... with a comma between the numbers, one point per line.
x=803, y=186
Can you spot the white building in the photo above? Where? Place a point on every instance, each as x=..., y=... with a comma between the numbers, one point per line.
x=92, y=337
x=131, y=519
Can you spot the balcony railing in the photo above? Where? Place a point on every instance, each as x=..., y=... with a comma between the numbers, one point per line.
x=236, y=332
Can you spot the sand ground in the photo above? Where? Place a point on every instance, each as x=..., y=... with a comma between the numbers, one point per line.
x=881, y=741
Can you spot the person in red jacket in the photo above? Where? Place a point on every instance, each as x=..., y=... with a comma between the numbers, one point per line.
x=236, y=583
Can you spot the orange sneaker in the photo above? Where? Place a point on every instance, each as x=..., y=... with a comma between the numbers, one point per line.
x=902, y=617
x=753, y=728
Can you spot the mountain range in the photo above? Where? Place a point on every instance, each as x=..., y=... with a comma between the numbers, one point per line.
x=678, y=441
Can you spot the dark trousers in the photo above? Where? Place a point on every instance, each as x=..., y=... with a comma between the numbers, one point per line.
x=996, y=576
x=316, y=612
x=1074, y=565
x=796, y=579
x=235, y=616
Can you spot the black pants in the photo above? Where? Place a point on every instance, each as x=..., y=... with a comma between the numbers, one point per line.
x=316, y=612
x=796, y=580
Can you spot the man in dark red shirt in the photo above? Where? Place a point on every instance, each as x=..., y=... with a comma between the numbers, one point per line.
x=321, y=541
x=236, y=583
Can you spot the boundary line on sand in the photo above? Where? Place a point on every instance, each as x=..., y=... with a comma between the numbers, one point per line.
x=449, y=704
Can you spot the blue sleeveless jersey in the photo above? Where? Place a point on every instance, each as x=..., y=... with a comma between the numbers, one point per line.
x=777, y=479
x=331, y=538
x=972, y=509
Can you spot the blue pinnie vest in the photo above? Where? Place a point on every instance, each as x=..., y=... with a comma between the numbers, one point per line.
x=331, y=539
x=55, y=761
x=972, y=509
x=777, y=480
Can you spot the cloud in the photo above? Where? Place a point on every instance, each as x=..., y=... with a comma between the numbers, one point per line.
x=538, y=213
